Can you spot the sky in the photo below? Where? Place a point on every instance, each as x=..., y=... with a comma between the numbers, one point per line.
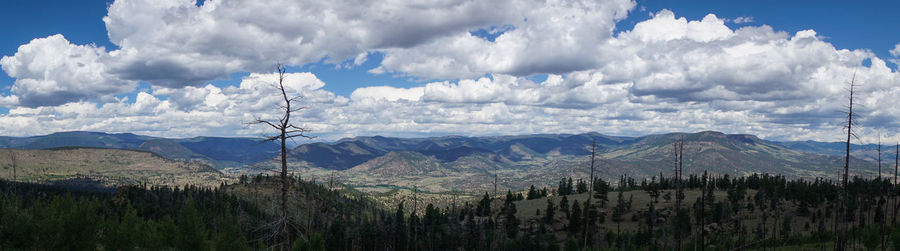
x=182, y=68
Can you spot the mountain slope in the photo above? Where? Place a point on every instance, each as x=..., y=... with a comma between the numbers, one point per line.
x=725, y=154
x=461, y=163
x=215, y=151
x=402, y=164
x=866, y=152
x=110, y=166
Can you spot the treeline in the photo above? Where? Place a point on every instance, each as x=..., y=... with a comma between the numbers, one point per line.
x=43, y=217
x=723, y=212
x=755, y=211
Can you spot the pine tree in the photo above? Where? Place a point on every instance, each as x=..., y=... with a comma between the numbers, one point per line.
x=532, y=193
x=484, y=206
x=400, y=232
x=575, y=218
x=191, y=230
x=510, y=222
x=581, y=187
x=620, y=209
x=549, y=212
x=601, y=189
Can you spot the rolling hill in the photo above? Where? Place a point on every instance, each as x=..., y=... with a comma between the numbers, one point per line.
x=218, y=152
x=108, y=166
x=471, y=163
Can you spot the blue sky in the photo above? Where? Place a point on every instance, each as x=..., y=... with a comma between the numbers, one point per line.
x=616, y=67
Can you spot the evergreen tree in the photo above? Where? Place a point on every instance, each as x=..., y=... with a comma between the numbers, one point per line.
x=620, y=209
x=230, y=236
x=575, y=221
x=601, y=188
x=549, y=213
x=191, y=230
x=314, y=242
x=400, y=232
x=510, y=222
x=581, y=187
x=562, y=189
x=484, y=206
x=532, y=193
x=473, y=233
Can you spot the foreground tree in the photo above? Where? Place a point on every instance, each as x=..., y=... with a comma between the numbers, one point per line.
x=841, y=243
x=286, y=130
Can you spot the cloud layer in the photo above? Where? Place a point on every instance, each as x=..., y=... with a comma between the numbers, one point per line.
x=666, y=74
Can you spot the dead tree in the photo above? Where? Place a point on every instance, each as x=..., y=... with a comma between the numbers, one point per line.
x=841, y=240
x=679, y=165
x=286, y=130
x=879, y=158
x=881, y=201
x=894, y=185
x=590, y=193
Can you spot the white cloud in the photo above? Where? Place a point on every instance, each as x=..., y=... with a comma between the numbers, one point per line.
x=52, y=71
x=666, y=74
x=896, y=53
x=388, y=93
x=9, y=101
x=665, y=27
x=743, y=20
x=549, y=37
x=174, y=43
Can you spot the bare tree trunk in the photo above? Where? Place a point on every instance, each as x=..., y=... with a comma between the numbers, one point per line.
x=284, y=188
x=679, y=165
x=894, y=185
x=841, y=241
x=881, y=198
x=590, y=193
x=495, y=181
x=286, y=130
x=702, y=209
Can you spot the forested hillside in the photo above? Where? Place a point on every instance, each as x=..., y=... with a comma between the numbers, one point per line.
x=719, y=212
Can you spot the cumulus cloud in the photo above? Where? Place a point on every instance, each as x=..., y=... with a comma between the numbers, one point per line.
x=52, y=71
x=666, y=74
x=388, y=93
x=896, y=53
x=175, y=43
x=550, y=37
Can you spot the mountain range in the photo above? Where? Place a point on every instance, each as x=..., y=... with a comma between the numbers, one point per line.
x=219, y=152
x=465, y=163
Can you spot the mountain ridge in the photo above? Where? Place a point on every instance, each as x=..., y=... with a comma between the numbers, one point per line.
x=537, y=156
x=473, y=163
x=219, y=152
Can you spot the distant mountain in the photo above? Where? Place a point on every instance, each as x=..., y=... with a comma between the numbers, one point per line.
x=466, y=163
x=867, y=151
x=215, y=151
x=407, y=163
x=76, y=139
x=103, y=165
x=472, y=162
x=719, y=153
x=339, y=156
x=347, y=153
